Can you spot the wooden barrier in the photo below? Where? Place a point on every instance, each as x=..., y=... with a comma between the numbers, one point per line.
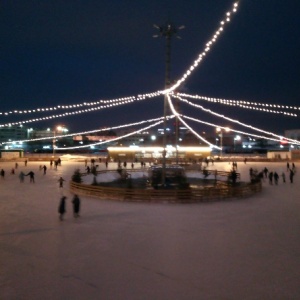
x=205, y=194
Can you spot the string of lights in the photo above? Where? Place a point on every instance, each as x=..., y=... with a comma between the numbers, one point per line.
x=246, y=104
x=112, y=140
x=233, y=120
x=88, y=132
x=241, y=132
x=84, y=104
x=195, y=64
x=103, y=104
x=176, y=114
x=113, y=104
x=207, y=48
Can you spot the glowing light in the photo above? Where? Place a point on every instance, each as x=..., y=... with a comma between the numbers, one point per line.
x=245, y=104
x=235, y=121
x=93, y=131
x=114, y=139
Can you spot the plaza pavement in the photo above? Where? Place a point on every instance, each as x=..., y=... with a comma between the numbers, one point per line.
x=237, y=249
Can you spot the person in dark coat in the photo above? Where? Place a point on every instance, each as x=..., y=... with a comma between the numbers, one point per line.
x=21, y=176
x=31, y=176
x=62, y=207
x=76, y=206
x=292, y=176
x=45, y=169
x=276, y=177
x=61, y=182
x=271, y=177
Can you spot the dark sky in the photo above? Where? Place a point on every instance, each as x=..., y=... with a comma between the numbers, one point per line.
x=69, y=51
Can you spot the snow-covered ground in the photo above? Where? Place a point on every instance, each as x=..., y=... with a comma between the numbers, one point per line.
x=237, y=249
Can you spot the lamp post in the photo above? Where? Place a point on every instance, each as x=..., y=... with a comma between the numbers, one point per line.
x=166, y=31
x=236, y=138
x=58, y=128
x=220, y=131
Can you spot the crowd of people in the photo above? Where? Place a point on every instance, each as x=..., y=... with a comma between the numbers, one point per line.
x=43, y=168
x=273, y=176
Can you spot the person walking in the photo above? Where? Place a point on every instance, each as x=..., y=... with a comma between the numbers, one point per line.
x=270, y=177
x=76, y=206
x=21, y=177
x=45, y=169
x=31, y=176
x=266, y=171
x=61, y=182
x=283, y=177
x=276, y=177
x=292, y=176
x=62, y=207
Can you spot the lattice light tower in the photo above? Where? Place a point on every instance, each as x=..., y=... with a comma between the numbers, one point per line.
x=167, y=31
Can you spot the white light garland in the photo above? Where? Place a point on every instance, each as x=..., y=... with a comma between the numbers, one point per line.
x=241, y=132
x=114, y=102
x=245, y=104
x=191, y=129
x=103, y=104
x=88, y=132
x=207, y=48
x=233, y=120
x=84, y=104
x=112, y=140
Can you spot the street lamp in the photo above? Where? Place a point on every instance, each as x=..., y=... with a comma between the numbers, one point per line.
x=167, y=31
x=58, y=128
x=236, y=138
x=220, y=131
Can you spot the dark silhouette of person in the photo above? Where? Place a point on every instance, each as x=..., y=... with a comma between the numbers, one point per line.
x=233, y=176
x=292, y=176
x=21, y=176
x=62, y=207
x=76, y=206
x=266, y=171
x=2, y=173
x=276, y=177
x=61, y=182
x=271, y=177
x=31, y=176
x=283, y=176
x=45, y=169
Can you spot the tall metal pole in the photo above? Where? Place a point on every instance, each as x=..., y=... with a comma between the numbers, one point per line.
x=167, y=84
x=166, y=31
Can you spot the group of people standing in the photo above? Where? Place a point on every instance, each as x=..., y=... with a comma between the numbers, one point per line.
x=62, y=207
x=274, y=176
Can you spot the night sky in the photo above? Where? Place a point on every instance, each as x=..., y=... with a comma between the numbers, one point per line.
x=64, y=52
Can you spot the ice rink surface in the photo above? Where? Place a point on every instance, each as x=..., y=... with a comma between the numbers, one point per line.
x=236, y=249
